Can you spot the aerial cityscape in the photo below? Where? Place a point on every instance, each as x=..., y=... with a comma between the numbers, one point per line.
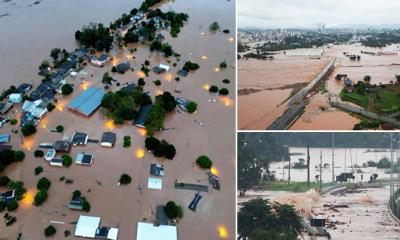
x=301, y=73
x=108, y=126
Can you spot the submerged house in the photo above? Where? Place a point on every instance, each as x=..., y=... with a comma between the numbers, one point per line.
x=147, y=231
x=63, y=146
x=157, y=170
x=161, y=68
x=7, y=196
x=183, y=103
x=56, y=162
x=15, y=98
x=36, y=109
x=84, y=159
x=24, y=88
x=108, y=139
x=5, y=107
x=76, y=203
x=123, y=67
x=88, y=227
x=4, y=138
x=79, y=138
x=100, y=61
x=141, y=118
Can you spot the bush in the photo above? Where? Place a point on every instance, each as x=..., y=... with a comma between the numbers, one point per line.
x=67, y=89
x=38, y=170
x=127, y=141
x=226, y=31
x=4, y=180
x=19, y=156
x=169, y=151
x=28, y=129
x=114, y=69
x=85, y=205
x=43, y=183
x=213, y=89
x=141, y=82
x=60, y=128
x=3, y=205
x=191, y=107
x=223, y=91
x=226, y=81
x=223, y=65
x=67, y=160
x=204, y=162
x=125, y=179
x=40, y=197
x=151, y=143
x=173, y=211
x=67, y=233
x=50, y=231
x=38, y=153
x=191, y=66
x=157, y=82
x=214, y=26
x=12, y=205
x=50, y=107
x=13, y=121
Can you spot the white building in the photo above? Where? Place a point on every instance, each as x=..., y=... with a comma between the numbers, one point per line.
x=147, y=231
x=15, y=98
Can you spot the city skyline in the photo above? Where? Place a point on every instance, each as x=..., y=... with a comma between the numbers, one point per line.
x=286, y=14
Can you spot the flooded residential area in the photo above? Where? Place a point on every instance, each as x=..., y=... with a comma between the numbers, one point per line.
x=144, y=181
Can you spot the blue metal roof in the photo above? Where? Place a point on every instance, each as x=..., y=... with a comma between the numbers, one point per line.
x=87, y=102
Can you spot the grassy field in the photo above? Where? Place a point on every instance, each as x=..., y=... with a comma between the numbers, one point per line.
x=294, y=187
x=386, y=100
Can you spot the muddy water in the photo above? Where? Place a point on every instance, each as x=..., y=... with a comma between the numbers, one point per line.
x=288, y=70
x=128, y=205
x=274, y=74
x=344, y=160
x=367, y=217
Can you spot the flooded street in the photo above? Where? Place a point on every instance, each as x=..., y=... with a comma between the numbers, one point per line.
x=345, y=160
x=52, y=24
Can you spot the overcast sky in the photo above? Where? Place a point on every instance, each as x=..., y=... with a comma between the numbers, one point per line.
x=308, y=13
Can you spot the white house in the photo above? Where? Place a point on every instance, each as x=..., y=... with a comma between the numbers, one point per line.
x=15, y=98
x=154, y=183
x=84, y=159
x=35, y=108
x=56, y=162
x=100, y=61
x=147, y=231
x=87, y=226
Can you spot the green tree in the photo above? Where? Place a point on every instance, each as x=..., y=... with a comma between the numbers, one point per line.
x=38, y=153
x=12, y=205
x=204, y=162
x=28, y=129
x=67, y=89
x=173, y=211
x=67, y=160
x=214, y=26
x=43, y=183
x=125, y=179
x=40, y=197
x=223, y=91
x=213, y=89
x=151, y=143
x=19, y=156
x=50, y=231
x=38, y=170
x=60, y=128
x=191, y=107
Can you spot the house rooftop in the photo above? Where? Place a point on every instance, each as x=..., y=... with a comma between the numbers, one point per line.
x=84, y=159
x=79, y=138
x=142, y=115
x=108, y=138
x=87, y=102
x=147, y=231
x=62, y=146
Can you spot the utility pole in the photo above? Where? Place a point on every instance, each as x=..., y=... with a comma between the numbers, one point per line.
x=308, y=165
x=345, y=160
x=333, y=157
x=289, y=170
x=320, y=172
x=391, y=161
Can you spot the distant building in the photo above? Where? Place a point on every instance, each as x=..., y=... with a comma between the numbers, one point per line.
x=15, y=98
x=162, y=68
x=157, y=170
x=154, y=183
x=76, y=203
x=7, y=196
x=123, y=67
x=88, y=227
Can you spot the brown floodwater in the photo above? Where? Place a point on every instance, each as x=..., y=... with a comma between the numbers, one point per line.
x=289, y=70
x=125, y=206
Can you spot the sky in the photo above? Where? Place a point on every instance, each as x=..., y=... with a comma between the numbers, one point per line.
x=309, y=13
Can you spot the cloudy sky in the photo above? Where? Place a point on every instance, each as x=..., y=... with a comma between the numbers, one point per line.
x=308, y=13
